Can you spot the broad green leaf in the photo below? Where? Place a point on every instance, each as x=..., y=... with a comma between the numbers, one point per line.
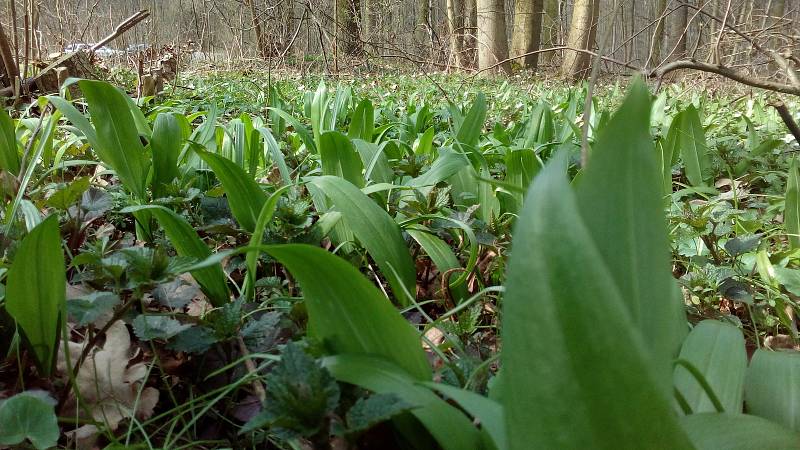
x=486, y=410
x=569, y=338
x=717, y=351
x=791, y=215
x=29, y=415
x=694, y=149
x=521, y=167
x=9, y=149
x=376, y=231
x=186, y=242
x=76, y=118
x=712, y=431
x=424, y=143
x=36, y=292
x=244, y=196
x=348, y=313
x=451, y=428
x=469, y=132
x=446, y=165
x=166, y=144
x=362, y=121
x=771, y=388
x=118, y=142
x=319, y=111
x=69, y=195
x=340, y=158
x=626, y=221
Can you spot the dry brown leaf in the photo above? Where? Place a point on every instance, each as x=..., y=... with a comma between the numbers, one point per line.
x=107, y=384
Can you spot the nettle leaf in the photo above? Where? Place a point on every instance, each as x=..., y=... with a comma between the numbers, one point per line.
x=88, y=309
x=156, y=327
x=741, y=245
x=300, y=393
x=29, y=415
x=69, y=195
x=192, y=340
x=370, y=411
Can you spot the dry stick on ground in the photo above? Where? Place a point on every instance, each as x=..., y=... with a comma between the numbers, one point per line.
x=787, y=118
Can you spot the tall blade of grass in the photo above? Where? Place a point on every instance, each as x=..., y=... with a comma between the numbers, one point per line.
x=377, y=166
x=791, y=215
x=771, y=390
x=540, y=128
x=449, y=426
x=712, y=431
x=274, y=151
x=319, y=111
x=443, y=258
x=264, y=218
x=36, y=291
x=376, y=231
x=299, y=128
x=166, y=145
x=362, y=121
x=118, y=142
x=244, y=196
x=565, y=328
x=717, y=351
x=9, y=149
x=340, y=158
x=184, y=238
x=694, y=149
x=626, y=221
x=348, y=313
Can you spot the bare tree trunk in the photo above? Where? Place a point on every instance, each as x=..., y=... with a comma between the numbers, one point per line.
x=550, y=34
x=492, y=41
x=423, y=28
x=679, y=32
x=527, y=31
x=658, y=35
x=455, y=23
x=582, y=31
x=261, y=43
x=347, y=20
x=470, y=28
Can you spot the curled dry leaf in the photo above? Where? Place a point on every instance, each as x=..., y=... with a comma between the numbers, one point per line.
x=110, y=387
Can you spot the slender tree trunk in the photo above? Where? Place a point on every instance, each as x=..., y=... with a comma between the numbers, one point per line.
x=527, y=31
x=347, y=19
x=582, y=30
x=470, y=29
x=658, y=35
x=423, y=28
x=455, y=24
x=550, y=34
x=492, y=41
x=261, y=43
x=679, y=32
